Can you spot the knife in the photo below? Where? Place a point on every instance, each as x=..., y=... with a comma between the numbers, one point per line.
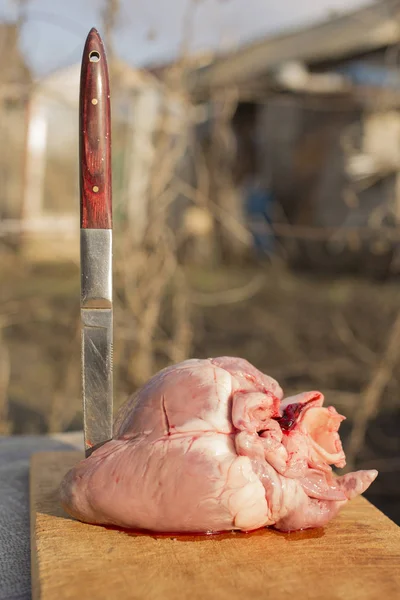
x=96, y=244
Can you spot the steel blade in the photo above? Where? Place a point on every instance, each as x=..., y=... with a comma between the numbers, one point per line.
x=97, y=376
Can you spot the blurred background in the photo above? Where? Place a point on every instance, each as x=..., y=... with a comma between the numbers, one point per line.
x=256, y=170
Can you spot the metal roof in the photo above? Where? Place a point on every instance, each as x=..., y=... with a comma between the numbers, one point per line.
x=367, y=29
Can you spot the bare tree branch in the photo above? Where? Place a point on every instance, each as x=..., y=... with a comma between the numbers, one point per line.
x=372, y=394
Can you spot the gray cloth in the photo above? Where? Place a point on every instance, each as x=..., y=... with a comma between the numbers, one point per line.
x=15, y=576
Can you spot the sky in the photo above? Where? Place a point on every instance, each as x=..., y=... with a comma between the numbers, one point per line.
x=151, y=31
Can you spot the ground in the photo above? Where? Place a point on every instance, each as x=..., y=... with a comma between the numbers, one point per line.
x=308, y=332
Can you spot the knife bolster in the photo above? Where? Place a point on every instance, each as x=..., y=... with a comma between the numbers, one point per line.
x=96, y=268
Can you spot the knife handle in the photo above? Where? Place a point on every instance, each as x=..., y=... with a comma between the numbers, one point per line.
x=95, y=136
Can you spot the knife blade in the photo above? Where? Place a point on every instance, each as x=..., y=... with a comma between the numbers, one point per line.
x=96, y=244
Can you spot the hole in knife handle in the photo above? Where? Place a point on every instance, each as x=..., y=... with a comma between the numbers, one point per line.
x=94, y=56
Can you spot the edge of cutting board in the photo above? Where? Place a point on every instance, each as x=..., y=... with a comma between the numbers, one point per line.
x=356, y=557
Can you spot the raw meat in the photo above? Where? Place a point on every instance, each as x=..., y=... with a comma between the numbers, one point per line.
x=212, y=445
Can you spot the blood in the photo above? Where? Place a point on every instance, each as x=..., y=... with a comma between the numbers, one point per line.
x=183, y=535
x=200, y=536
x=290, y=416
x=188, y=536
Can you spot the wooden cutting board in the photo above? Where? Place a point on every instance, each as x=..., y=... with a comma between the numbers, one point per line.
x=357, y=556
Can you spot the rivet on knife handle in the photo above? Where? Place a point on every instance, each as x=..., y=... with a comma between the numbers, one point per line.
x=96, y=244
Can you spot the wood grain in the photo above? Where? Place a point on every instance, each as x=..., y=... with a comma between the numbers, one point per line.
x=356, y=557
x=95, y=136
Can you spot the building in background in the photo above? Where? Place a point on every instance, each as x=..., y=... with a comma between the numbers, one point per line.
x=287, y=144
x=317, y=128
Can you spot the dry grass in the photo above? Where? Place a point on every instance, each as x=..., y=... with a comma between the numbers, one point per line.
x=307, y=332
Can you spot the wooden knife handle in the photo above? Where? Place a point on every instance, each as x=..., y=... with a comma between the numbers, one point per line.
x=95, y=136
